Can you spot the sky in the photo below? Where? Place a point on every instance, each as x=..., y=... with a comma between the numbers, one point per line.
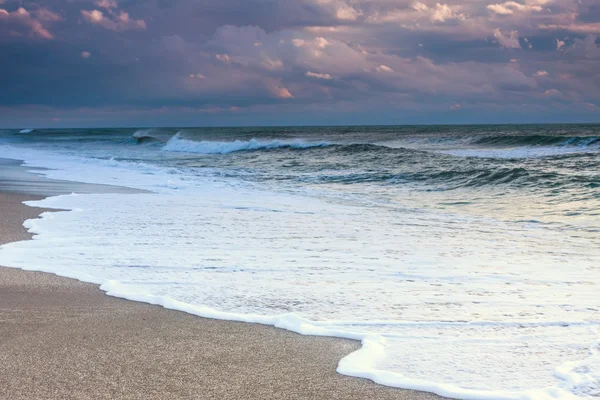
x=80, y=63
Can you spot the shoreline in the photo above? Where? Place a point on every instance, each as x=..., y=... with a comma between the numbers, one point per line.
x=68, y=339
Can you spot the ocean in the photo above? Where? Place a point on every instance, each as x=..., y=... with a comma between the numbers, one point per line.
x=466, y=258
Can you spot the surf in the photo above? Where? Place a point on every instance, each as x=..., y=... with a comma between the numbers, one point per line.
x=180, y=144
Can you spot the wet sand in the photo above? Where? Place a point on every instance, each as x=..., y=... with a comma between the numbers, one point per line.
x=63, y=339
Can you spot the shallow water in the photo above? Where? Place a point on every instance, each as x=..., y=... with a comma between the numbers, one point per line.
x=466, y=258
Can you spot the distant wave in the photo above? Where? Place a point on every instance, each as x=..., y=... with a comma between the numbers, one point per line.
x=142, y=133
x=541, y=144
x=357, y=148
x=146, y=135
x=26, y=130
x=179, y=144
x=522, y=152
x=527, y=146
x=537, y=140
x=501, y=146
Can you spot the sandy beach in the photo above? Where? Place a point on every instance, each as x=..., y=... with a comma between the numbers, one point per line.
x=63, y=339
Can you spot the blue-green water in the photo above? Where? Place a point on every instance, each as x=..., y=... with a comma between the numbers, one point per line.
x=545, y=173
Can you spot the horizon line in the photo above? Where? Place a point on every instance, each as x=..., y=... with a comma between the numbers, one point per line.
x=299, y=126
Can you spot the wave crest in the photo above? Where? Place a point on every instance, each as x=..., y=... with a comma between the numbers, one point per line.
x=148, y=135
x=142, y=133
x=179, y=144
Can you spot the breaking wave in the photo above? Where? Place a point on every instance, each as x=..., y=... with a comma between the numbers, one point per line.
x=179, y=144
x=142, y=134
x=146, y=136
x=26, y=130
x=531, y=146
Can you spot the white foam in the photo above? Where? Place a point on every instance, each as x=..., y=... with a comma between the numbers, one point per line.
x=460, y=306
x=180, y=144
x=26, y=130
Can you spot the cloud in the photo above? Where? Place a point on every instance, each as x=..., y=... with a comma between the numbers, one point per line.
x=443, y=12
x=172, y=43
x=316, y=43
x=277, y=91
x=581, y=27
x=43, y=14
x=114, y=22
x=272, y=64
x=585, y=48
x=540, y=2
x=339, y=9
x=335, y=55
x=510, y=7
x=553, y=93
x=298, y=42
x=21, y=18
x=85, y=54
x=107, y=4
x=353, y=66
x=509, y=40
x=93, y=16
x=217, y=110
x=419, y=15
x=439, y=12
x=318, y=76
x=383, y=68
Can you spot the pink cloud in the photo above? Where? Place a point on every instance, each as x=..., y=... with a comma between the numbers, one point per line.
x=318, y=76
x=35, y=27
x=357, y=64
x=93, y=16
x=510, y=7
x=383, y=68
x=443, y=12
x=438, y=13
x=278, y=91
x=589, y=28
x=114, y=22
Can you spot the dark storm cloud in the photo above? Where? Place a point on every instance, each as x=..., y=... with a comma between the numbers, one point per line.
x=158, y=61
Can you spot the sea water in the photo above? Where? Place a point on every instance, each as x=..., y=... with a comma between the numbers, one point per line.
x=466, y=259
